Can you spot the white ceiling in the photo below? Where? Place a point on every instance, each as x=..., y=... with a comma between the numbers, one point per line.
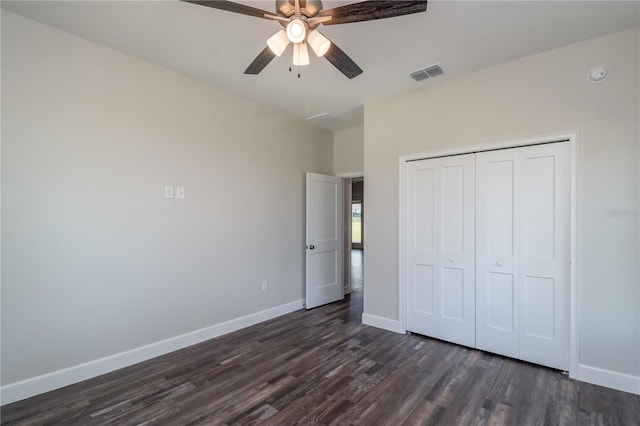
x=216, y=46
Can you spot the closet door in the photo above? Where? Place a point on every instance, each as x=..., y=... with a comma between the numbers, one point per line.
x=544, y=177
x=497, y=292
x=522, y=253
x=422, y=252
x=440, y=248
x=456, y=249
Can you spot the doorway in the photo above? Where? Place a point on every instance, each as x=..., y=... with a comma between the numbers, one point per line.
x=357, y=233
x=354, y=234
x=357, y=211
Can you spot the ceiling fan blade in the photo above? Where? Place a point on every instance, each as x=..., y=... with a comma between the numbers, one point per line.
x=342, y=62
x=370, y=10
x=277, y=18
x=261, y=61
x=230, y=6
x=317, y=20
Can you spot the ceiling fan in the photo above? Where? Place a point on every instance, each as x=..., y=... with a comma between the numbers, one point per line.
x=300, y=20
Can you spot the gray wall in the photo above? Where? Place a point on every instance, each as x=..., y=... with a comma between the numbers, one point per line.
x=542, y=94
x=94, y=260
x=348, y=151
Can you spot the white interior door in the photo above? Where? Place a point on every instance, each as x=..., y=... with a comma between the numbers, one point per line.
x=497, y=319
x=522, y=253
x=544, y=178
x=422, y=247
x=456, y=254
x=324, y=283
x=440, y=252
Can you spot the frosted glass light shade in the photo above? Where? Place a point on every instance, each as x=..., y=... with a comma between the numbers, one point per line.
x=319, y=43
x=296, y=31
x=278, y=42
x=300, y=54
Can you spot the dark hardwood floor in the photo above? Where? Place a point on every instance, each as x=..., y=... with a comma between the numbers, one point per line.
x=323, y=367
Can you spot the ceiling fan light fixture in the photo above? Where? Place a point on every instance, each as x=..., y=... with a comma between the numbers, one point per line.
x=319, y=43
x=278, y=42
x=300, y=54
x=296, y=30
x=301, y=17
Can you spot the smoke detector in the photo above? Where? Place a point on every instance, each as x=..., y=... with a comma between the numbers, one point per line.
x=598, y=74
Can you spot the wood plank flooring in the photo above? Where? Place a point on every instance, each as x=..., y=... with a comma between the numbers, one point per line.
x=357, y=268
x=323, y=367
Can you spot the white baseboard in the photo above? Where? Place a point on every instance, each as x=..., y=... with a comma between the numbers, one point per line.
x=608, y=378
x=58, y=379
x=383, y=323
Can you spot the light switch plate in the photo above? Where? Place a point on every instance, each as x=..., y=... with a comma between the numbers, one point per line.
x=180, y=192
x=168, y=192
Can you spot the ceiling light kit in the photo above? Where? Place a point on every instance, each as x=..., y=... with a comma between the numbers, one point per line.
x=300, y=20
x=296, y=30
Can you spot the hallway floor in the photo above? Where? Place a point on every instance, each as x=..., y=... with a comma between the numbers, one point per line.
x=357, y=268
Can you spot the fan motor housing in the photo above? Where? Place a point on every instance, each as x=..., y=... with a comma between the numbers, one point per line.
x=308, y=8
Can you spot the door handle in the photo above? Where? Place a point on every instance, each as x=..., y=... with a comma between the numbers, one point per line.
x=311, y=247
x=499, y=264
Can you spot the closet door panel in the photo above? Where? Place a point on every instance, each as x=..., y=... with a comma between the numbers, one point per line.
x=421, y=232
x=456, y=213
x=497, y=290
x=500, y=301
x=544, y=253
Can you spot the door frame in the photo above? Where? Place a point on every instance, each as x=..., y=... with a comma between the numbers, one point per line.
x=572, y=139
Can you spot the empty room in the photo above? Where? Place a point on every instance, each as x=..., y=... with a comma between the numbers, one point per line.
x=320, y=212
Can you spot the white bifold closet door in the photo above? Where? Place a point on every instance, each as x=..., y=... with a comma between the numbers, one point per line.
x=522, y=253
x=440, y=248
